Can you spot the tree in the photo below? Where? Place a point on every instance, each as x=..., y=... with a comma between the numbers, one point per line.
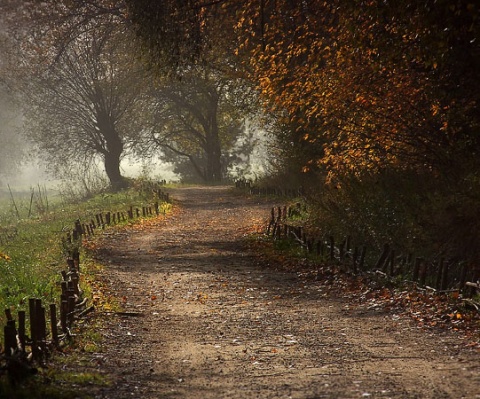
x=85, y=105
x=367, y=85
x=12, y=146
x=379, y=94
x=199, y=119
x=193, y=42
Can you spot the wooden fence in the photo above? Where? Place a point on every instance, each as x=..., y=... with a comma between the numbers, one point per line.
x=50, y=326
x=441, y=274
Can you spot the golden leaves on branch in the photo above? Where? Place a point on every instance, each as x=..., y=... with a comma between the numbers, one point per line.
x=357, y=102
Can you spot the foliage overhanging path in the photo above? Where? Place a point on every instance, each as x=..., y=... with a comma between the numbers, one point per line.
x=204, y=317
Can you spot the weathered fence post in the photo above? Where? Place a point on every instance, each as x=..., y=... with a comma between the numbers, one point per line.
x=53, y=323
x=390, y=264
x=354, y=260
x=383, y=257
x=438, y=282
x=423, y=273
x=463, y=276
x=445, y=280
x=416, y=269
x=21, y=329
x=332, y=248
x=41, y=329
x=362, y=258
x=10, y=338
x=320, y=248
x=63, y=316
x=33, y=327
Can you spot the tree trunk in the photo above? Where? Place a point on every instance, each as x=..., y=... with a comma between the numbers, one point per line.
x=112, y=169
x=213, y=150
x=112, y=156
x=213, y=171
x=112, y=150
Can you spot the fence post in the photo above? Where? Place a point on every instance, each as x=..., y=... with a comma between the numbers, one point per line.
x=463, y=276
x=33, y=327
x=320, y=247
x=41, y=327
x=362, y=257
x=63, y=315
x=445, y=281
x=391, y=262
x=438, y=283
x=354, y=260
x=21, y=330
x=70, y=308
x=423, y=273
x=416, y=269
x=383, y=257
x=10, y=340
x=332, y=248
x=53, y=323
x=341, y=250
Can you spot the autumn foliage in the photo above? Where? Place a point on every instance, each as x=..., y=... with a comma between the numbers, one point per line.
x=375, y=102
x=382, y=100
x=369, y=84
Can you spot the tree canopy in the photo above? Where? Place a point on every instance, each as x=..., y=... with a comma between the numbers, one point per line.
x=362, y=91
x=365, y=92
x=199, y=118
x=365, y=84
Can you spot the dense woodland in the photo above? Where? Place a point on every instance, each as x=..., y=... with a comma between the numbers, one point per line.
x=371, y=106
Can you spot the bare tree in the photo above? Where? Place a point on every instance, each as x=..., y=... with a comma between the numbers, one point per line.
x=84, y=106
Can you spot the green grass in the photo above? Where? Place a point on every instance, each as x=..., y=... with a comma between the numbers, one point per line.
x=31, y=254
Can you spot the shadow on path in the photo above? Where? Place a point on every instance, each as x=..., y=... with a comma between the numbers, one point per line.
x=214, y=322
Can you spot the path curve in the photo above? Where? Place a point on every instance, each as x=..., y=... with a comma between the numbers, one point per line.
x=204, y=318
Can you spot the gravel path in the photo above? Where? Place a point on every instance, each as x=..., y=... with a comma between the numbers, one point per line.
x=204, y=318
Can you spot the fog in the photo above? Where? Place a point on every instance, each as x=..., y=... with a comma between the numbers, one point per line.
x=33, y=174
x=155, y=169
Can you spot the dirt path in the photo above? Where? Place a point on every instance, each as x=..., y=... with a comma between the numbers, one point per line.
x=204, y=319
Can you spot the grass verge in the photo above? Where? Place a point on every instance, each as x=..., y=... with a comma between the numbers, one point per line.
x=32, y=258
